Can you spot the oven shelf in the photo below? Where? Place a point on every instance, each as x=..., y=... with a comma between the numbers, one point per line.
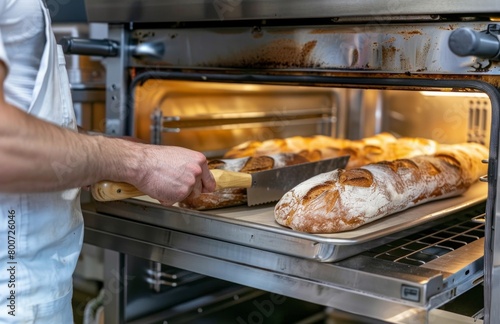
x=362, y=284
x=255, y=226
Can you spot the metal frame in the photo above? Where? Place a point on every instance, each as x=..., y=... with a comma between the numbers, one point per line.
x=227, y=10
x=119, y=108
x=326, y=284
x=416, y=48
x=119, y=112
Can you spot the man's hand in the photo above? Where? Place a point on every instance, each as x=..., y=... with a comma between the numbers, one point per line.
x=172, y=174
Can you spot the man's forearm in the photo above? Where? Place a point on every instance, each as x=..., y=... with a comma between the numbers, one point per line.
x=63, y=158
x=38, y=156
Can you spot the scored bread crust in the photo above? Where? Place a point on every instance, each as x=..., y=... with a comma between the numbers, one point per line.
x=380, y=147
x=237, y=196
x=343, y=200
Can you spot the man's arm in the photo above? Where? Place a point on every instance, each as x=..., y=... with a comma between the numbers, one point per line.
x=38, y=156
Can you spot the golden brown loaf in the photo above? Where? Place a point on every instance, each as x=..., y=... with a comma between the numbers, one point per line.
x=237, y=196
x=343, y=200
x=380, y=147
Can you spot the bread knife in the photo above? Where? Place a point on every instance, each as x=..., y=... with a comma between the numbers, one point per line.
x=262, y=187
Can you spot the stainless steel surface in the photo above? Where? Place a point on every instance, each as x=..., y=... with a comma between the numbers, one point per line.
x=153, y=50
x=220, y=10
x=257, y=228
x=420, y=49
x=446, y=118
x=115, y=282
x=361, y=284
x=270, y=185
x=451, y=264
x=119, y=109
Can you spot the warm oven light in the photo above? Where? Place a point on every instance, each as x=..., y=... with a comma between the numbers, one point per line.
x=453, y=94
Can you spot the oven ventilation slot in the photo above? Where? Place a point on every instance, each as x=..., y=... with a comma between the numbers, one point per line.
x=478, y=121
x=422, y=247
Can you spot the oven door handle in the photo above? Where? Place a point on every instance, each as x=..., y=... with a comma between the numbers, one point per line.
x=93, y=47
x=110, y=48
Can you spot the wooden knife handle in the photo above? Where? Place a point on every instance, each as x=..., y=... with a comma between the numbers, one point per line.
x=109, y=190
x=229, y=179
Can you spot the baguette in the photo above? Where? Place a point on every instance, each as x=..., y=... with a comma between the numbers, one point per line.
x=343, y=200
x=380, y=147
x=237, y=196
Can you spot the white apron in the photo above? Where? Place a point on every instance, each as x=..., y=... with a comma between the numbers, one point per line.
x=41, y=234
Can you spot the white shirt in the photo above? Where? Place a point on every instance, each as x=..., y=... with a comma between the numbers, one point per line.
x=23, y=39
x=39, y=253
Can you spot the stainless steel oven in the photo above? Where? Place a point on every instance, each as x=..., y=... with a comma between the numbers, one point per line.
x=211, y=74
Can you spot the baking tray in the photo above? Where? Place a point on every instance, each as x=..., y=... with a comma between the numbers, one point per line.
x=255, y=226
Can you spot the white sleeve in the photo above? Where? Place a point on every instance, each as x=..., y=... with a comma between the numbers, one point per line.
x=3, y=53
x=22, y=43
x=18, y=22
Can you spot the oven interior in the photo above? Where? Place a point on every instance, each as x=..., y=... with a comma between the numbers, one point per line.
x=213, y=117
x=432, y=264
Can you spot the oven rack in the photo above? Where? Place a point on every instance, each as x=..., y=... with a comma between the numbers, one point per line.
x=422, y=247
x=255, y=226
x=395, y=292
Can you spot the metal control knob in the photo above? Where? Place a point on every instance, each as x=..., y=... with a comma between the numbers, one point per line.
x=484, y=44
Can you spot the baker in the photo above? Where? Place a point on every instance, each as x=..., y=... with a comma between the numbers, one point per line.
x=44, y=162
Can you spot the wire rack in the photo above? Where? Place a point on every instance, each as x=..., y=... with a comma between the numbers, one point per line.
x=422, y=247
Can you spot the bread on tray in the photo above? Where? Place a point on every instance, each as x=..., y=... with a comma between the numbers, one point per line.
x=345, y=199
x=237, y=196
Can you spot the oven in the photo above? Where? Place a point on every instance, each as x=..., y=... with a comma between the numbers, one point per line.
x=209, y=75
